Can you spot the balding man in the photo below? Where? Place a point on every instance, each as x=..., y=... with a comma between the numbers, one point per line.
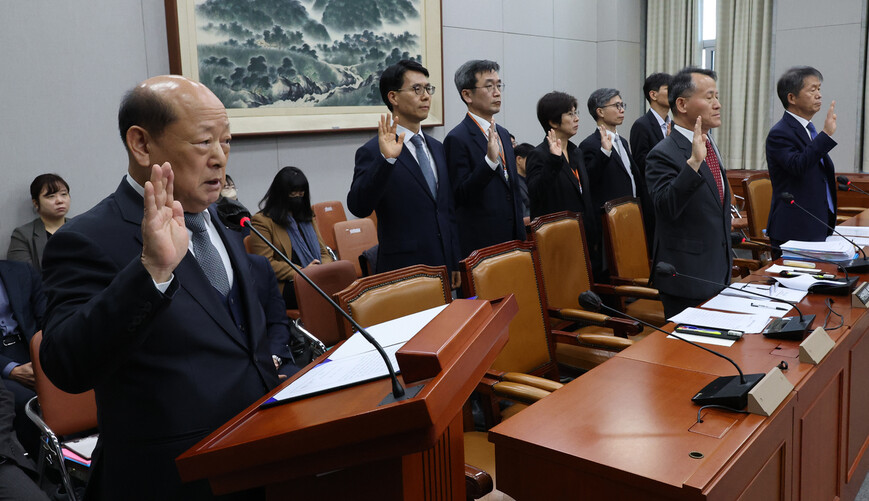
x=159, y=317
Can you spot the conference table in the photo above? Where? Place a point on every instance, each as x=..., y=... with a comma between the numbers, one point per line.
x=628, y=429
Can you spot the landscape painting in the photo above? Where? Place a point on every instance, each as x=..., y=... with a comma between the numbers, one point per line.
x=302, y=65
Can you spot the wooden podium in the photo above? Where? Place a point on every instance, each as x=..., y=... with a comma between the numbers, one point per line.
x=345, y=444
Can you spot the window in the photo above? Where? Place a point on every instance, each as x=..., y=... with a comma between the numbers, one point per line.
x=708, y=21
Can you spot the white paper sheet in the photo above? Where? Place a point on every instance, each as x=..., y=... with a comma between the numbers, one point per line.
x=399, y=330
x=856, y=231
x=792, y=295
x=777, y=268
x=745, y=305
x=803, y=282
x=703, y=339
x=718, y=320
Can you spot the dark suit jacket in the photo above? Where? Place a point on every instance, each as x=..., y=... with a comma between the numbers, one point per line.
x=692, y=226
x=167, y=368
x=645, y=134
x=412, y=226
x=24, y=289
x=552, y=187
x=795, y=167
x=488, y=207
x=607, y=174
x=10, y=448
x=28, y=241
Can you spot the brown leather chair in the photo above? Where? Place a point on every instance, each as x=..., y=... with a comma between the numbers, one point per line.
x=352, y=238
x=628, y=256
x=758, y=200
x=327, y=214
x=566, y=270
x=58, y=414
x=315, y=313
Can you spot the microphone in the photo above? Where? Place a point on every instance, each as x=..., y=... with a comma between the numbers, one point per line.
x=727, y=391
x=846, y=285
x=794, y=328
x=859, y=265
x=237, y=216
x=845, y=185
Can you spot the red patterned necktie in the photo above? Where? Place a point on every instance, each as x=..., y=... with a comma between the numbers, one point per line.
x=715, y=167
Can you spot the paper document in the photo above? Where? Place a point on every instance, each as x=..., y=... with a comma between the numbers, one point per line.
x=835, y=248
x=704, y=339
x=803, y=282
x=357, y=361
x=748, y=324
x=853, y=231
x=794, y=296
x=745, y=305
x=777, y=268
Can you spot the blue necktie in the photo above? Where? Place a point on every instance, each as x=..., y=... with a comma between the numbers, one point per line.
x=424, y=164
x=206, y=254
x=814, y=133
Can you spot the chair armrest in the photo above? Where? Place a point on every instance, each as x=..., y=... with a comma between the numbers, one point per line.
x=519, y=392
x=535, y=381
x=751, y=264
x=478, y=483
x=603, y=341
x=621, y=327
x=738, y=223
x=637, y=291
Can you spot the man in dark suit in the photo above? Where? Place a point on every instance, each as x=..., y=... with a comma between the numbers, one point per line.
x=799, y=161
x=482, y=165
x=651, y=128
x=611, y=169
x=16, y=469
x=402, y=175
x=152, y=300
x=689, y=188
x=557, y=176
x=22, y=308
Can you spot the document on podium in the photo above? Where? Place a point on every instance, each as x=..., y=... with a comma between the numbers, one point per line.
x=356, y=360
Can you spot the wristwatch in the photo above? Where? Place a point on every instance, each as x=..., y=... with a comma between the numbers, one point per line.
x=277, y=360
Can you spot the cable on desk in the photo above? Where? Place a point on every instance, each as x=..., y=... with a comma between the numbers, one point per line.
x=829, y=303
x=724, y=407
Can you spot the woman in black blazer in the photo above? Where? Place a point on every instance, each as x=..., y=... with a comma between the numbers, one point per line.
x=50, y=196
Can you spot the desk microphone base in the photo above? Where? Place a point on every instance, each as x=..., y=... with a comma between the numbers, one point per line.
x=792, y=328
x=727, y=391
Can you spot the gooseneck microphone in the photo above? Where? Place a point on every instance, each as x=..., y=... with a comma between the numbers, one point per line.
x=859, y=265
x=237, y=216
x=785, y=328
x=845, y=185
x=727, y=391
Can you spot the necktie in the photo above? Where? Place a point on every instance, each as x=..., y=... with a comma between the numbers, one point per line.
x=814, y=133
x=626, y=161
x=424, y=164
x=715, y=167
x=664, y=125
x=207, y=256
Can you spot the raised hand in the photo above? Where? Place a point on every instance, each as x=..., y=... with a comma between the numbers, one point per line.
x=554, y=143
x=492, y=148
x=605, y=141
x=698, y=146
x=830, y=121
x=164, y=235
x=390, y=145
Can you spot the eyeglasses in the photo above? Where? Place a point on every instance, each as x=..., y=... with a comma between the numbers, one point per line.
x=491, y=87
x=620, y=106
x=419, y=89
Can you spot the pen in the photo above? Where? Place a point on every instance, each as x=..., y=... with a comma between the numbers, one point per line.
x=780, y=308
x=699, y=330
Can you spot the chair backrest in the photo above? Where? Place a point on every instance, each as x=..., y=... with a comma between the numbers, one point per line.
x=758, y=199
x=327, y=214
x=65, y=413
x=352, y=238
x=626, y=238
x=564, y=262
x=512, y=268
x=316, y=314
x=385, y=296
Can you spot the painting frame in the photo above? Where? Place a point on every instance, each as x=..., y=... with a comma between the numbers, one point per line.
x=181, y=32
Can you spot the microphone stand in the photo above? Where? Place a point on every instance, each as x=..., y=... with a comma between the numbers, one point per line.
x=726, y=391
x=859, y=265
x=794, y=328
x=237, y=215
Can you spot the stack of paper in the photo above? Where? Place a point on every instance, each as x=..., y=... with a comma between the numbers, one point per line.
x=835, y=248
x=853, y=231
x=794, y=296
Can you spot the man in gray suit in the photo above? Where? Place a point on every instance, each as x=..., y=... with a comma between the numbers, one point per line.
x=689, y=190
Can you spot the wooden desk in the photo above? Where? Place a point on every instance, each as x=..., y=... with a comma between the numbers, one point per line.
x=625, y=429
